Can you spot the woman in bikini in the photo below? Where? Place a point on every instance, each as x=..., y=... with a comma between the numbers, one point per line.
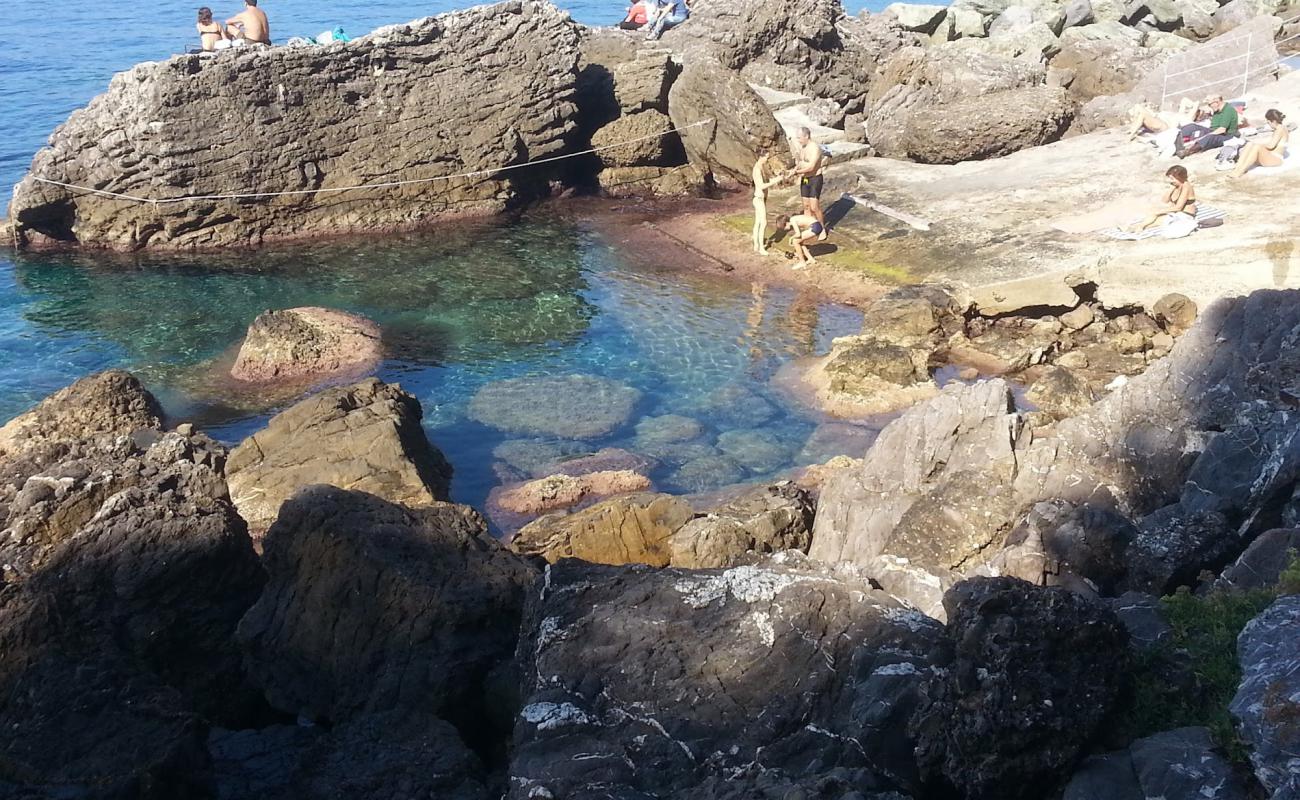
x=1265, y=155
x=765, y=176
x=1178, y=205
x=209, y=32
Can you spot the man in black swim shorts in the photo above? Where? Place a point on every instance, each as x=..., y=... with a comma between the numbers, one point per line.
x=809, y=167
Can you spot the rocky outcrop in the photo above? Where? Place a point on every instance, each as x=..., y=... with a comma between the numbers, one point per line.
x=111, y=403
x=1267, y=703
x=1026, y=680
x=683, y=703
x=633, y=529
x=432, y=607
x=1260, y=566
x=766, y=520
x=1177, y=763
x=1197, y=454
x=401, y=753
x=562, y=406
x=722, y=123
x=566, y=491
x=308, y=345
x=365, y=437
x=311, y=120
x=987, y=127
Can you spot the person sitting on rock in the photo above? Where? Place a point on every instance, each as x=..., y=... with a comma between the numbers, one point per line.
x=669, y=13
x=1177, y=209
x=250, y=25
x=636, y=16
x=804, y=230
x=211, y=35
x=1271, y=154
x=1223, y=126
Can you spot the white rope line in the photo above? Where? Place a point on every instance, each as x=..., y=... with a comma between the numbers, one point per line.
x=1237, y=57
x=382, y=185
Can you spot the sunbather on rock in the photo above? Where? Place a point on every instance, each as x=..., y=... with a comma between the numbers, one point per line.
x=1269, y=154
x=1223, y=126
x=1178, y=206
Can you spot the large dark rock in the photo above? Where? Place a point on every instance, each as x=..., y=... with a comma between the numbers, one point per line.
x=291, y=119
x=1267, y=703
x=1027, y=678
x=365, y=437
x=402, y=753
x=716, y=683
x=1181, y=763
x=1261, y=564
x=372, y=607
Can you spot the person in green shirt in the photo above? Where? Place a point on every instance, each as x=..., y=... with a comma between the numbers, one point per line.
x=1223, y=126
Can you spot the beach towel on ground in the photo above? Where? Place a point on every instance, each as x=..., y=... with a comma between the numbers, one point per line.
x=1174, y=228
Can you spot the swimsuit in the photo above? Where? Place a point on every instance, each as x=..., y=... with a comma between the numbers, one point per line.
x=816, y=228
x=810, y=186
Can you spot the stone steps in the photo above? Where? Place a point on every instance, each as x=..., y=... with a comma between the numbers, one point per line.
x=790, y=111
x=793, y=118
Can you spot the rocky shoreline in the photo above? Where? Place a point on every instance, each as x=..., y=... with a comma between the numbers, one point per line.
x=968, y=611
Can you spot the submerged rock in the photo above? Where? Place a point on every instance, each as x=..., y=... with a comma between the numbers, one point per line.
x=683, y=697
x=667, y=429
x=1027, y=679
x=336, y=115
x=365, y=437
x=634, y=529
x=438, y=610
x=707, y=472
x=308, y=344
x=563, y=406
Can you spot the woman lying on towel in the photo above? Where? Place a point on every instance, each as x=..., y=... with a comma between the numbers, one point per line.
x=1270, y=154
x=1179, y=205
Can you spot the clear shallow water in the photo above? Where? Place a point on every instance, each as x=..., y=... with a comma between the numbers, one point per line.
x=460, y=310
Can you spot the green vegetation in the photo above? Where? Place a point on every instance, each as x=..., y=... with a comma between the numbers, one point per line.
x=1289, y=581
x=846, y=256
x=1190, y=678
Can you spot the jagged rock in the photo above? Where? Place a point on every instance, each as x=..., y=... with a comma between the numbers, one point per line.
x=658, y=711
x=370, y=606
x=967, y=23
x=1261, y=564
x=1143, y=617
x=338, y=111
x=563, y=406
x=1078, y=12
x=365, y=437
x=1177, y=763
x=722, y=123
x=1267, y=703
x=1035, y=42
x=766, y=520
x=922, y=588
x=912, y=314
x=915, y=17
x=1101, y=67
x=1005, y=349
x=1106, y=31
x=1057, y=539
x=857, y=364
x=566, y=491
x=1175, y=311
x=111, y=403
x=645, y=149
x=918, y=80
x=623, y=530
x=400, y=753
x=966, y=427
x=1171, y=42
x=656, y=181
x=1061, y=393
x=1234, y=14
x=1027, y=677
x=309, y=343
x=986, y=127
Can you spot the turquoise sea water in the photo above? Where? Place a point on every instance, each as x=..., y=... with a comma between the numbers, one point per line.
x=545, y=295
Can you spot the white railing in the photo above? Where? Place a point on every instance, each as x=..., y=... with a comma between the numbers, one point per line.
x=1228, y=83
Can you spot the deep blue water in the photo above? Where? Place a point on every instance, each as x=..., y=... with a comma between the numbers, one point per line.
x=542, y=296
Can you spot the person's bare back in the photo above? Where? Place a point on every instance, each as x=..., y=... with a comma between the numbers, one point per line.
x=251, y=24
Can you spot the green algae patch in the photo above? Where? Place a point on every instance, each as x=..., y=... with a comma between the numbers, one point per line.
x=847, y=256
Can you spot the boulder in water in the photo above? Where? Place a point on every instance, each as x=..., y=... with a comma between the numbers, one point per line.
x=566, y=491
x=308, y=345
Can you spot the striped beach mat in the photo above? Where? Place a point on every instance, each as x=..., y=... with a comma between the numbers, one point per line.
x=1206, y=217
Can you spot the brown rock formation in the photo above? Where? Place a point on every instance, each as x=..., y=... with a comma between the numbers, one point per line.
x=298, y=344
x=390, y=105
x=634, y=529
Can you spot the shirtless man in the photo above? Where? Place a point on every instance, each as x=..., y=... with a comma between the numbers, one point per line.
x=809, y=168
x=250, y=25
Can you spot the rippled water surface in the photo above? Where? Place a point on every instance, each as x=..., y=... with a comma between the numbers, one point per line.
x=461, y=309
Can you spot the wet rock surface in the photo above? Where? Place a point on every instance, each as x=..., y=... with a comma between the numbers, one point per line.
x=681, y=699
x=365, y=437
x=308, y=344
x=329, y=115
